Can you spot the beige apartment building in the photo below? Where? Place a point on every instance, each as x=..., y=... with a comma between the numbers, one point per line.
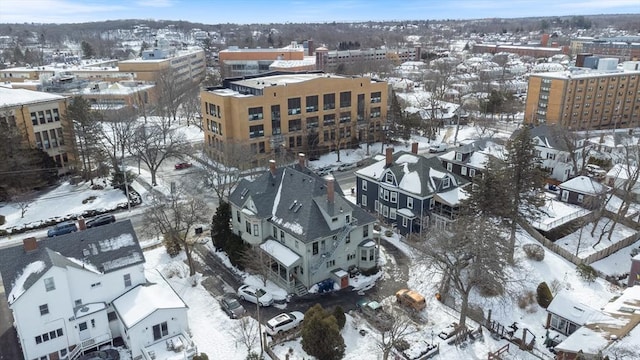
x=585, y=99
x=40, y=118
x=285, y=113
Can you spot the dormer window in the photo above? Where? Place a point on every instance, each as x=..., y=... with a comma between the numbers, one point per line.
x=458, y=157
x=445, y=183
x=388, y=178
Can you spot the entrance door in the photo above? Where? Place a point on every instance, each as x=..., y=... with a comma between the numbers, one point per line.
x=84, y=331
x=565, y=195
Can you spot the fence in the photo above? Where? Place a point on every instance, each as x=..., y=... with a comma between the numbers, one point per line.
x=561, y=221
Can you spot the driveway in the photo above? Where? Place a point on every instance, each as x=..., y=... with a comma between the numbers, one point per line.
x=220, y=279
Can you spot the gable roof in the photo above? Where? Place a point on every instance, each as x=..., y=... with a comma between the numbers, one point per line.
x=294, y=199
x=584, y=185
x=547, y=136
x=143, y=300
x=414, y=174
x=101, y=249
x=565, y=305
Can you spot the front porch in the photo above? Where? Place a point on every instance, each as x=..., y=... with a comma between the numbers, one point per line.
x=285, y=267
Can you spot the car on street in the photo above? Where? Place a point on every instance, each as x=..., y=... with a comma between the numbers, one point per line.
x=324, y=171
x=347, y=166
x=183, y=165
x=255, y=295
x=62, y=228
x=284, y=322
x=436, y=148
x=230, y=305
x=101, y=220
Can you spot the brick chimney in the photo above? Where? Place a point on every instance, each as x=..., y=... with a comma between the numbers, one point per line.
x=414, y=148
x=30, y=244
x=330, y=188
x=272, y=167
x=389, y=157
x=301, y=160
x=82, y=224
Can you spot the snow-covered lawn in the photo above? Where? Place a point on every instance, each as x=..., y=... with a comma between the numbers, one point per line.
x=555, y=212
x=585, y=244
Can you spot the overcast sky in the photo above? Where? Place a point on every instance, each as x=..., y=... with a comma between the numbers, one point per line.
x=281, y=11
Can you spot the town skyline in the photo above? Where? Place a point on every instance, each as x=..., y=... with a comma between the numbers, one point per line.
x=300, y=11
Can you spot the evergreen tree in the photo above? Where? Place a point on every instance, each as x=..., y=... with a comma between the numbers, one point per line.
x=87, y=50
x=87, y=130
x=524, y=182
x=321, y=335
x=220, y=226
x=488, y=195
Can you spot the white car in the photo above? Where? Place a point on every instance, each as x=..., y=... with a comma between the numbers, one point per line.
x=347, y=166
x=255, y=295
x=284, y=322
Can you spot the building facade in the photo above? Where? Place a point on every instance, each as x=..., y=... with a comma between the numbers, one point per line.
x=410, y=191
x=40, y=119
x=235, y=61
x=314, y=113
x=585, y=99
x=305, y=225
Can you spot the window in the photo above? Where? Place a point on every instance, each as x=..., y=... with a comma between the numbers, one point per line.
x=247, y=227
x=255, y=113
x=331, y=263
x=295, y=125
x=364, y=200
x=49, y=284
x=376, y=97
x=281, y=236
x=410, y=202
x=329, y=119
x=311, y=103
x=365, y=232
x=78, y=302
x=329, y=101
x=386, y=195
x=580, y=198
x=44, y=309
x=160, y=331
x=458, y=156
x=238, y=214
x=364, y=185
x=94, y=285
x=256, y=131
x=445, y=182
x=345, y=99
x=385, y=211
x=449, y=166
x=392, y=214
x=363, y=255
x=293, y=106
x=127, y=280
x=111, y=316
x=394, y=197
x=388, y=178
x=472, y=172
x=255, y=229
x=83, y=326
x=463, y=170
x=315, y=248
x=404, y=222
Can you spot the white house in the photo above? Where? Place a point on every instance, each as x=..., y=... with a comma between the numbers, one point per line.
x=306, y=226
x=61, y=290
x=619, y=177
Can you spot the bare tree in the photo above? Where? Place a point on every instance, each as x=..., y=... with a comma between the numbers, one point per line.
x=257, y=262
x=87, y=131
x=472, y=256
x=176, y=217
x=247, y=332
x=400, y=328
x=223, y=178
x=117, y=131
x=153, y=144
x=190, y=108
x=23, y=201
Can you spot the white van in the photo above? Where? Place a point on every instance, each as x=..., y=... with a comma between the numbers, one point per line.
x=436, y=148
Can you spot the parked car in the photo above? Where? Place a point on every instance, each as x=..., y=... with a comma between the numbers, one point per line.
x=347, y=166
x=411, y=299
x=375, y=314
x=284, y=322
x=324, y=171
x=101, y=220
x=436, y=148
x=183, y=165
x=232, y=306
x=255, y=295
x=62, y=228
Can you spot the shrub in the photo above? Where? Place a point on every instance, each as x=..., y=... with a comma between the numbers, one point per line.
x=534, y=251
x=525, y=299
x=321, y=335
x=252, y=356
x=543, y=295
x=89, y=199
x=388, y=233
x=491, y=290
x=171, y=244
x=201, y=356
x=586, y=272
x=338, y=313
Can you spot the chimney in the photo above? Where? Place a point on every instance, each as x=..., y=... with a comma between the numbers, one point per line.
x=301, y=160
x=389, y=157
x=414, y=148
x=30, y=244
x=272, y=167
x=82, y=225
x=330, y=189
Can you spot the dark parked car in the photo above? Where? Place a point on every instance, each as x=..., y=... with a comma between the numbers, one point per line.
x=101, y=220
x=62, y=228
x=183, y=165
x=230, y=304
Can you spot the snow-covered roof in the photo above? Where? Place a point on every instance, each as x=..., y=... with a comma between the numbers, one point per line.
x=18, y=287
x=619, y=171
x=143, y=300
x=281, y=253
x=565, y=305
x=452, y=197
x=584, y=185
x=585, y=339
x=13, y=97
